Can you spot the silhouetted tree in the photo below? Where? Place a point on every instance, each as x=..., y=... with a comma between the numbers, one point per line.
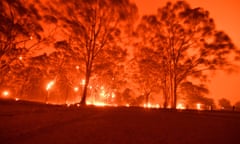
x=237, y=105
x=109, y=68
x=127, y=96
x=187, y=44
x=64, y=69
x=225, y=104
x=18, y=25
x=145, y=72
x=193, y=94
x=92, y=26
x=21, y=34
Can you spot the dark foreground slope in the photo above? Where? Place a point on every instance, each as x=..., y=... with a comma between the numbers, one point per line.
x=33, y=123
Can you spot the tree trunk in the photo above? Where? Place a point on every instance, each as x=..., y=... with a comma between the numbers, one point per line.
x=84, y=95
x=166, y=96
x=174, y=105
x=147, y=98
x=66, y=95
x=85, y=89
x=46, y=97
x=174, y=97
x=165, y=103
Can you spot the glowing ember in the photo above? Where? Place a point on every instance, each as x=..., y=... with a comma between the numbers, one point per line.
x=49, y=85
x=115, y=105
x=180, y=106
x=16, y=99
x=127, y=105
x=149, y=105
x=198, y=106
x=31, y=38
x=99, y=104
x=145, y=105
x=76, y=89
x=20, y=58
x=5, y=93
x=113, y=95
x=102, y=93
x=83, y=82
x=77, y=67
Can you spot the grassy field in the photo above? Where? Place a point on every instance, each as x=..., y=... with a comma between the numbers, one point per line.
x=34, y=123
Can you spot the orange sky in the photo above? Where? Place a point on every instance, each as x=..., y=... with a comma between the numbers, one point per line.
x=227, y=18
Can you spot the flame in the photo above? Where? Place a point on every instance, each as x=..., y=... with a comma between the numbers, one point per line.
x=149, y=105
x=76, y=89
x=83, y=82
x=113, y=95
x=198, y=106
x=5, y=93
x=180, y=106
x=49, y=85
x=102, y=93
x=100, y=104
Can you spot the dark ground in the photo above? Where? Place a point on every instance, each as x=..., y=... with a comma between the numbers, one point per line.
x=33, y=123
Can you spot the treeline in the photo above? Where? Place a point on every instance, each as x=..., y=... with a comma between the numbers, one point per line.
x=94, y=48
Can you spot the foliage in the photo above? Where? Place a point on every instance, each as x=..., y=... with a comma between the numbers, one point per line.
x=22, y=34
x=225, y=104
x=187, y=44
x=91, y=27
x=146, y=72
x=194, y=94
x=237, y=105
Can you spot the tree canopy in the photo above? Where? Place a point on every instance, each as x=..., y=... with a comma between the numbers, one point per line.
x=187, y=44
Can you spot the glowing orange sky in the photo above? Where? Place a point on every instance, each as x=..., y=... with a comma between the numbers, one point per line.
x=226, y=16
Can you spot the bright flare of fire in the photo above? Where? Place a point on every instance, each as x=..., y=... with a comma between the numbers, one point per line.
x=113, y=95
x=149, y=105
x=180, y=106
x=83, y=82
x=102, y=93
x=101, y=104
x=198, y=106
x=5, y=93
x=49, y=85
x=157, y=106
x=76, y=89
